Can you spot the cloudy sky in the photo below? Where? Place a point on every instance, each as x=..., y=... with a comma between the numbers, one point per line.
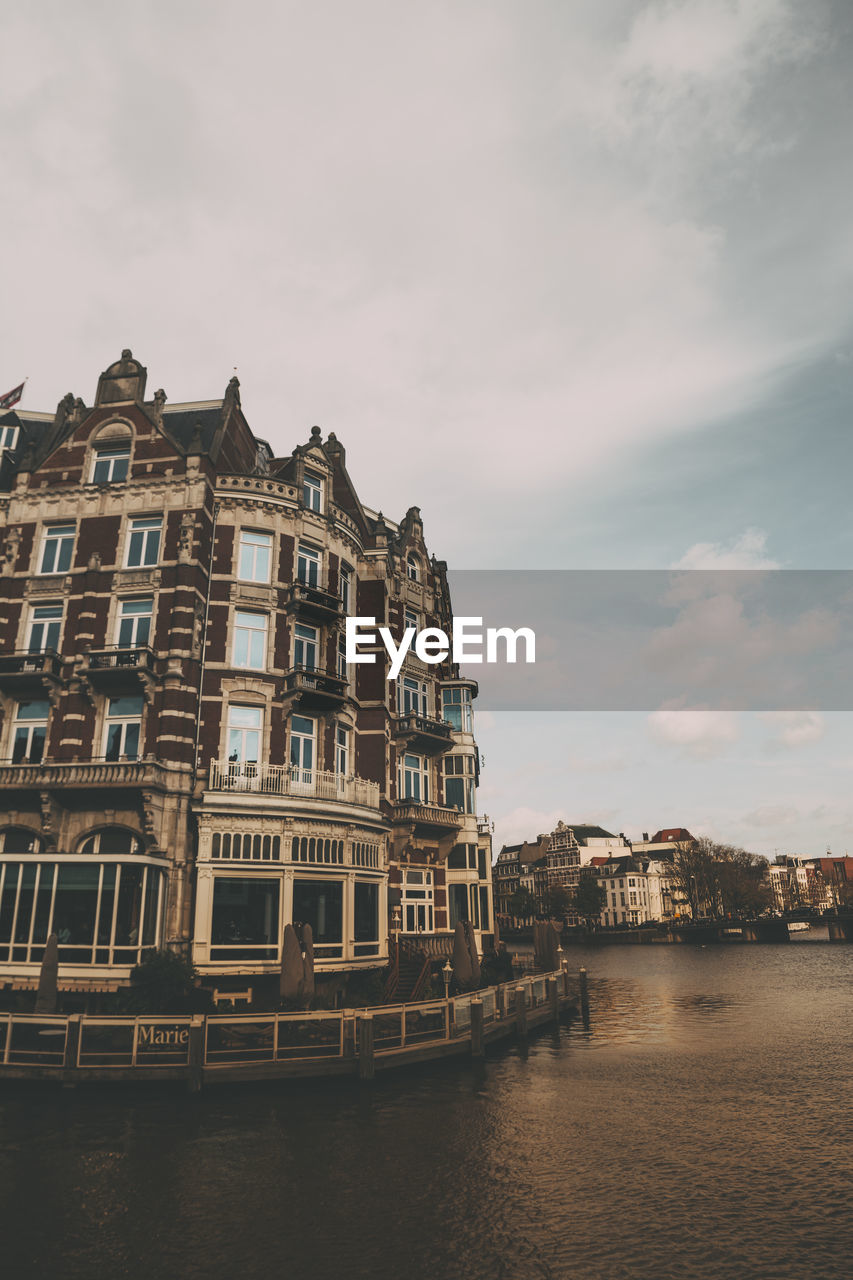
x=575, y=279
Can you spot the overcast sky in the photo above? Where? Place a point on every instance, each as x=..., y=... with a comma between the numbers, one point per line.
x=575, y=279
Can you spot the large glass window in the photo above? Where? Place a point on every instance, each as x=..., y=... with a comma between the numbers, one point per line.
x=303, y=738
x=308, y=565
x=414, y=778
x=244, y=733
x=111, y=464
x=134, y=623
x=30, y=732
x=312, y=491
x=411, y=696
x=101, y=912
x=459, y=790
x=305, y=646
x=458, y=894
x=417, y=902
x=19, y=840
x=245, y=922
x=250, y=640
x=255, y=556
x=143, y=545
x=57, y=548
x=111, y=840
x=123, y=728
x=456, y=709
x=365, y=916
x=45, y=626
x=342, y=751
x=320, y=904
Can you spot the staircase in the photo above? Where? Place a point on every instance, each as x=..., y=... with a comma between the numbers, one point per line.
x=407, y=976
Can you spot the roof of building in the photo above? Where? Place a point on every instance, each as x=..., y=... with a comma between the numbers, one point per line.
x=674, y=834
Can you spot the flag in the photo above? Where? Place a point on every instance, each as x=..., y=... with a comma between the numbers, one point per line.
x=11, y=397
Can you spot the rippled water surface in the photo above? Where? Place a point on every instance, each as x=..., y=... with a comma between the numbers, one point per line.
x=700, y=1126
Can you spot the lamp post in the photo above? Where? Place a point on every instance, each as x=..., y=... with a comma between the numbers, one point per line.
x=447, y=974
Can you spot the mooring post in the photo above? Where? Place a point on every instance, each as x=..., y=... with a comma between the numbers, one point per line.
x=477, y=1049
x=366, y=1062
x=584, y=992
x=195, y=1055
x=520, y=1013
x=553, y=997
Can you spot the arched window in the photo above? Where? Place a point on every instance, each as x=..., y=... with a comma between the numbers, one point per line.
x=111, y=840
x=20, y=840
x=111, y=454
x=413, y=567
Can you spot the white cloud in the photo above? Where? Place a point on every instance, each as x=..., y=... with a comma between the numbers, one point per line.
x=747, y=551
x=795, y=728
x=773, y=815
x=701, y=734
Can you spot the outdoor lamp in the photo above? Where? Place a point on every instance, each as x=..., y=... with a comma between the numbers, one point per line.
x=447, y=974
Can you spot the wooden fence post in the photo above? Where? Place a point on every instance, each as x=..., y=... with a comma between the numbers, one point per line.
x=72, y=1049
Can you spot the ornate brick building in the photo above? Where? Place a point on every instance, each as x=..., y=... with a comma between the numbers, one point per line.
x=188, y=759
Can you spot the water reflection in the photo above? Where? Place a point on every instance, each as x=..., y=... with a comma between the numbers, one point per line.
x=698, y=1127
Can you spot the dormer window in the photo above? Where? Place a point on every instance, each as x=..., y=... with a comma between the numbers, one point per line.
x=8, y=437
x=413, y=568
x=111, y=464
x=312, y=491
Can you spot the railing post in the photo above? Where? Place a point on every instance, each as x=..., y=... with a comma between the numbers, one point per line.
x=195, y=1054
x=477, y=1049
x=366, y=1062
x=72, y=1050
x=520, y=1013
x=553, y=998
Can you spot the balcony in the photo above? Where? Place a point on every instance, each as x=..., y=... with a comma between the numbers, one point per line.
x=119, y=668
x=315, y=688
x=24, y=672
x=314, y=600
x=285, y=780
x=87, y=774
x=428, y=817
x=423, y=734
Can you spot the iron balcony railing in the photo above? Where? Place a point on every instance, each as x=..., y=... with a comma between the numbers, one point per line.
x=117, y=658
x=25, y=663
x=287, y=780
x=317, y=685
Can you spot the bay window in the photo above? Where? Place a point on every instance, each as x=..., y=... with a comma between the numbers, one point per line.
x=459, y=789
x=456, y=709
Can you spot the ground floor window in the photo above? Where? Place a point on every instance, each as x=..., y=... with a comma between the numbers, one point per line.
x=417, y=902
x=366, y=918
x=245, y=918
x=320, y=904
x=101, y=912
x=458, y=903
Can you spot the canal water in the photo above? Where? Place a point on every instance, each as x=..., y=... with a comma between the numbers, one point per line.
x=699, y=1126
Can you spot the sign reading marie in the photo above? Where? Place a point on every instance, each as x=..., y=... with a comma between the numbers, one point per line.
x=158, y=1037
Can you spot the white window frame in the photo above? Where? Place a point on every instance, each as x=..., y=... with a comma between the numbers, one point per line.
x=237, y=733
x=135, y=617
x=313, y=491
x=115, y=453
x=124, y=722
x=255, y=634
x=345, y=581
x=309, y=561
x=411, y=618
x=8, y=437
x=302, y=770
x=418, y=902
x=305, y=646
x=249, y=552
x=413, y=567
x=51, y=621
x=29, y=725
x=414, y=778
x=151, y=528
x=58, y=536
x=412, y=696
x=343, y=749
x=463, y=702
